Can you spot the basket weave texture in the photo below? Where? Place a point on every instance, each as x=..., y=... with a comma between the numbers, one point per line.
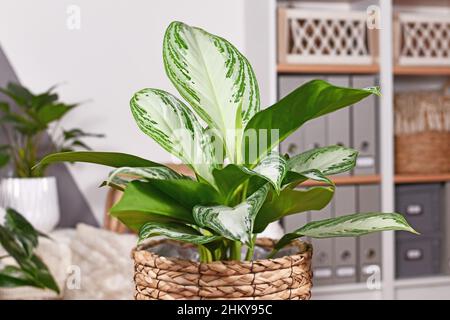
x=422, y=133
x=168, y=278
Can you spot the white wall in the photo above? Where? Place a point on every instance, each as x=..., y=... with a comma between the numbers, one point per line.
x=116, y=52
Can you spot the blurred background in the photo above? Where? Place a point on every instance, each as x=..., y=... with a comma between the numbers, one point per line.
x=99, y=53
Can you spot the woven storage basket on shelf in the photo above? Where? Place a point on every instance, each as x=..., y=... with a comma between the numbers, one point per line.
x=422, y=133
x=325, y=37
x=168, y=278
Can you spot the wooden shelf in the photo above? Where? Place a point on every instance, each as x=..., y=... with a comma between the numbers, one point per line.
x=422, y=71
x=357, y=69
x=348, y=180
x=351, y=180
x=422, y=178
x=354, y=69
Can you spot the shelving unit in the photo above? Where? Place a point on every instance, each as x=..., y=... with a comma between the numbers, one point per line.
x=432, y=287
x=328, y=69
x=421, y=71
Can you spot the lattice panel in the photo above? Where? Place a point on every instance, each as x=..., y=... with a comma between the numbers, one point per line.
x=422, y=40
x=312, y=37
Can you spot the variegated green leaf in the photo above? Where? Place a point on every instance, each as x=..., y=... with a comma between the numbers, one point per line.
x=328, y=160
x=215, y=78
x=173, y=126
x=292, y=178
x=272, y=168
x=122, y=176
x=174, y=231
x=352, y=225
x=232, y=223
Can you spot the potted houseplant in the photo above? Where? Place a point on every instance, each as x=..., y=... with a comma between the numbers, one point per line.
x=241, y=183
x=18, y=241
x=25, y=120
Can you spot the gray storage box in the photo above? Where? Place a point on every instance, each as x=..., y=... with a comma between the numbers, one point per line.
x=344, y=263
x=418, y=257
x=338, y=123
x=323, y=251
x=422, y=206
x=364, y=128
x=446, y=250
x=296, y=142
x=369, y=246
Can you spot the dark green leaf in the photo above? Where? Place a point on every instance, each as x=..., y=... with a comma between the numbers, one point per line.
x=9, y=243
x=229, y=178
x=43, y=99
x=134, y=220
x=111, y=159
x=12, y=277
x=290, y=202
x=21, y=95
x=41, y=274
x=22, y=229
x=78, y=133
x=4, y=106
x=143, y=197
x=52, y=112
x=80, y=144
x=314, y=99
x=4, y=159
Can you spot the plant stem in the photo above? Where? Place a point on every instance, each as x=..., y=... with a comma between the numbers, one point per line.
x=251, y=249
x=235, y=250
x=205, y=254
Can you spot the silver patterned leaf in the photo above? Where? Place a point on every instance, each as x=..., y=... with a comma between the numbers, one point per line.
x=235, y=223
x=174, y=127
x=122, y=176
x=215, y=78
x=328, y=160
x=352, y=225
x=174, y=231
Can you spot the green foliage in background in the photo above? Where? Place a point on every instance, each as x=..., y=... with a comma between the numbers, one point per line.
x=19, y=239
x=25, y=125
x=237, y=189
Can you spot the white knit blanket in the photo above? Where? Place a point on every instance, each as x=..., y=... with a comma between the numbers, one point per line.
x=88, y=263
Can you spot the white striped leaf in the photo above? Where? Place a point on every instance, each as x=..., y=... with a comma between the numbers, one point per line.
x=122, y=176
x=232, y=223
x=215, y=78
x=174, y=127
x=328, y=160
x=272, y=168
x=174, y=231
x=294, y=178
x=352, y=225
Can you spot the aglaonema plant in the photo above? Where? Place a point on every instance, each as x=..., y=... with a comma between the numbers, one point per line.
x=241, y=183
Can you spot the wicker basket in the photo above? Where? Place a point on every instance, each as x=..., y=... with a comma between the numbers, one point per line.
x=324, y=37
x=421, y=39
x=422, y=133
x=161, y=278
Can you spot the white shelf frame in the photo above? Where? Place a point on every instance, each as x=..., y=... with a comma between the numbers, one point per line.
x=390, y=285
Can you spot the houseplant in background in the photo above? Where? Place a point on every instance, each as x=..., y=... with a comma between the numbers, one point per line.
x=241, y=183
x=19, y=239
x=25, y=118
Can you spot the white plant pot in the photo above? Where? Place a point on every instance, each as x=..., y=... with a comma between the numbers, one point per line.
x=35, y=198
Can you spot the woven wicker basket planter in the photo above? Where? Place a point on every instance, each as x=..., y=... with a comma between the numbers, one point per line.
x=422, y=133
x=161, y=278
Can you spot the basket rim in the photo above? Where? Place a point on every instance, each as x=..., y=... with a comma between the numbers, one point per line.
x=305, y=249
